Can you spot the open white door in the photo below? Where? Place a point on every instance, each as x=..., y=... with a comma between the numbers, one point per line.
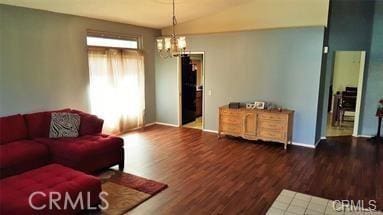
x=359, y=93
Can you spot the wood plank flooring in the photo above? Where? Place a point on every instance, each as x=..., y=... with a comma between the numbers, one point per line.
x=207, y=175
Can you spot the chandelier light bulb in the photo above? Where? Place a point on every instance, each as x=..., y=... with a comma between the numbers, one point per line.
x=167, y=43
x=181, y=42
x=160, y=44
x=172, y=46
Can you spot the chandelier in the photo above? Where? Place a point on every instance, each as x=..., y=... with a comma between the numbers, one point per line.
x=174, y=45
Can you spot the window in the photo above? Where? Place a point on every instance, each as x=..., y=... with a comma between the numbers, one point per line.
x=112, y=43
x=117, y=82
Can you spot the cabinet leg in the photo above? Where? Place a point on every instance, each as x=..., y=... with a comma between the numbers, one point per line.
x=219, y=135
x=286, y=145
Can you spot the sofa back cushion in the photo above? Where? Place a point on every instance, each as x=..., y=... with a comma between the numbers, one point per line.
x=12, y=128
x=89, y=124
x=38, y=124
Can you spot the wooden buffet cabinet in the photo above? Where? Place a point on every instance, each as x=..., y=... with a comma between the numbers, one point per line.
x=254, y=124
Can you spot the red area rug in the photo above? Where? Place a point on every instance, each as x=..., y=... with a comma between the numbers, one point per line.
x=126, y=191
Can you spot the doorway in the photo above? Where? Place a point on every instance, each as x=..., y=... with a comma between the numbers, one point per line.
x=346, y=93
x=191, y=90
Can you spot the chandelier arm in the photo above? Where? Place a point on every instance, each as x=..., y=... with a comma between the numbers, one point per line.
x=165, y=54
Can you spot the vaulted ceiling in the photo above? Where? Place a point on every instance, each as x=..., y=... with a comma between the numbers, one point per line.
x=258, y=14
x=148, y=13
x=194, y=16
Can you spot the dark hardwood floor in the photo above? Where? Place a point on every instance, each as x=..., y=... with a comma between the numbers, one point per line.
x=207, y=175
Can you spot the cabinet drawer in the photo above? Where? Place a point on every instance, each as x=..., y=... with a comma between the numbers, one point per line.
x=231, y=128
x=271, y=116
x=271, y=134
x=273, y=125
x=228, y=119
x=231, y=111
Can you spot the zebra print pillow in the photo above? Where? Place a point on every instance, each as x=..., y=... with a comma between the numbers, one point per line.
x=64, y=125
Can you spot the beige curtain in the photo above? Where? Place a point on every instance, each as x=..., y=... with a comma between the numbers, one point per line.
x=117, y=90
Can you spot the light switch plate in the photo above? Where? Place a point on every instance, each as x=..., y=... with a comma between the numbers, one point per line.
x=325, y=49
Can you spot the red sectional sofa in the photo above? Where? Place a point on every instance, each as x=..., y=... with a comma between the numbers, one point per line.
x=31, y=162
x=19, y=153
x=25, y=144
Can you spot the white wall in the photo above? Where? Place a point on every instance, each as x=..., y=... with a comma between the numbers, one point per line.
x=346, y=70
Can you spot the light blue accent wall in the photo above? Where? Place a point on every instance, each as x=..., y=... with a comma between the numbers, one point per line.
x=166, y=90
x=280, y=66
x=374, y=85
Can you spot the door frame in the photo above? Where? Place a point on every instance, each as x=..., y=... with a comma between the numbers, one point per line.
x=359, y=96
x=179, y=78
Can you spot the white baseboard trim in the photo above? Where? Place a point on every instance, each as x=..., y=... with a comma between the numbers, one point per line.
x=167, y=124
x=149, y=124
x=367, y=136
x=135, y=129
x=304, y=145
x=323, y=138
x=318, y=142
x=211, y=131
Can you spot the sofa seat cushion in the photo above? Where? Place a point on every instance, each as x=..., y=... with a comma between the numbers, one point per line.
x=84, y=146
x=86, y=153
x=12, y=128
x=22, y=155
x=47, y=179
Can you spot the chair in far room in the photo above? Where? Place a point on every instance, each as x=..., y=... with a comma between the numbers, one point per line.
x=347, y=103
